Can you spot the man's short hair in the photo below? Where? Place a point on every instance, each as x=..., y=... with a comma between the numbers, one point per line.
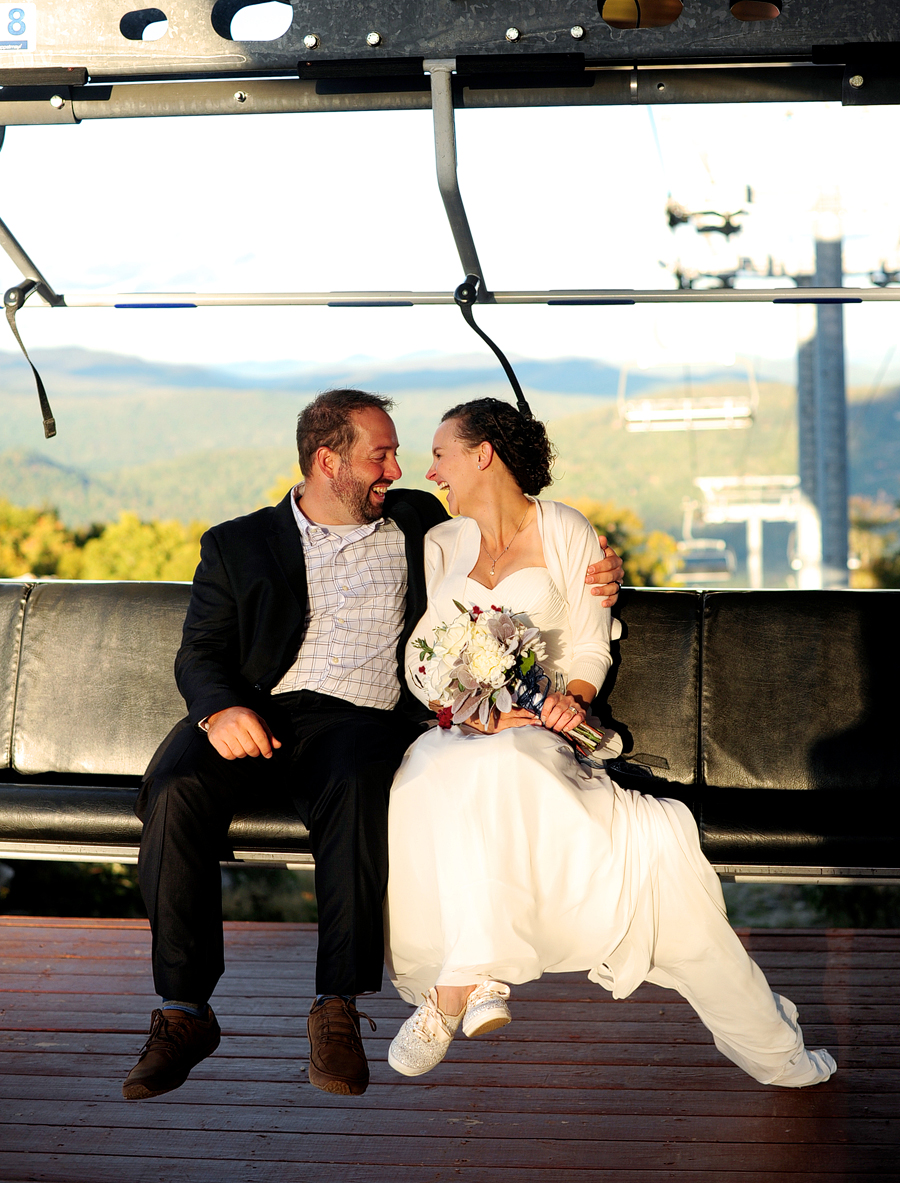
x=326, y=422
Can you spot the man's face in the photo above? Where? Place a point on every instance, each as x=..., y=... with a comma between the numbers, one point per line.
x=363, y=478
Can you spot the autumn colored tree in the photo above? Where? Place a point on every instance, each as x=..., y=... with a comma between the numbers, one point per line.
x=650, y=558
x=32, y=541
x=875, y=542
x=132, y=549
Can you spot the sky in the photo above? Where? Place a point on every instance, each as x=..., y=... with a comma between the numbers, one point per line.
x=556, y=197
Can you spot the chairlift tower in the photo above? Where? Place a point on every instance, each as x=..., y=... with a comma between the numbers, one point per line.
x=831, y=419
x=752, y=500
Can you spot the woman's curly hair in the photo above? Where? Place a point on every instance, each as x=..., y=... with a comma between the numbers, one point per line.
x=521, y=442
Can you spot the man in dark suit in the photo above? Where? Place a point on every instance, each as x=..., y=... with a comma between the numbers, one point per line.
x=299, y=615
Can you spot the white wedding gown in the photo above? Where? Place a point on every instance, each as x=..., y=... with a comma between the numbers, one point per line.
x=509, y=859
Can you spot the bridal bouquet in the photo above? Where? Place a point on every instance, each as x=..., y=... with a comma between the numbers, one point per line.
x=487, y=658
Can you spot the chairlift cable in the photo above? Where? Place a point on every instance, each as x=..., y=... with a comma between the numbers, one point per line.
x=659, y=152
x=855, y=426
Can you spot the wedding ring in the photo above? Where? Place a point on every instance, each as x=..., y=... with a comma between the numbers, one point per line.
x=574, y=710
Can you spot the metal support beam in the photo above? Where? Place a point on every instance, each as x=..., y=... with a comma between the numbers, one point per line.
x=831, y=421
x=59, y=40
x=603, y=86
x=580, y=297
x=29, y=269
x=441, y=71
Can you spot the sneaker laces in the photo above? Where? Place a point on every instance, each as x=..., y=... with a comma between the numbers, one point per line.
x=428, y=1021
x=488, y=990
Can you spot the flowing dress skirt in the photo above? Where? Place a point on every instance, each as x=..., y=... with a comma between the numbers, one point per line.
x=509, y=859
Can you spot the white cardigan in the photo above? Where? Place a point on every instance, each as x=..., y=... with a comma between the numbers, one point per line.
x=570, y=544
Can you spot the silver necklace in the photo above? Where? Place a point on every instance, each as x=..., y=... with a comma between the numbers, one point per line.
x=508, y=545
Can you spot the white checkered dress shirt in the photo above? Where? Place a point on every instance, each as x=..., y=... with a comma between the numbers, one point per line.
x=357, y=596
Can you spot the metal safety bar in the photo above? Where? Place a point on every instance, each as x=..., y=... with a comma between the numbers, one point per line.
x=553, y=297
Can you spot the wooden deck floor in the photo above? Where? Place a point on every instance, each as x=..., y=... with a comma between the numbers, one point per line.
x=579, y=1087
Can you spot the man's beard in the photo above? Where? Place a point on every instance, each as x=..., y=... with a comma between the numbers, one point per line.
x=354, y=496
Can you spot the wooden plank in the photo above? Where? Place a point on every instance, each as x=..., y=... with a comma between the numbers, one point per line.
x=365, y=1122
x=717, y=1075
x=139, y=990
x=531, y=1041
x=827, y=1158
x=71, y=1168
x=297, y=980
x=22, y=956
x=423, y=1094
x=493, y=1050
x=25, y=1012
x=302, y=952
x=626, y=1090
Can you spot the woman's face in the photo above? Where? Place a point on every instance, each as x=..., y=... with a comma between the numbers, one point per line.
x=454, y=466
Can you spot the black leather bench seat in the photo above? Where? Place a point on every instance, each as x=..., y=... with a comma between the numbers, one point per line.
x=769, y=712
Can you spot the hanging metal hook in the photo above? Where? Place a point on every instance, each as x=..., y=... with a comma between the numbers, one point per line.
x=465, y=296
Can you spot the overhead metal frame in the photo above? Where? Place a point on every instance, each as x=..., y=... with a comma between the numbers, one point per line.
x=562, y=54
x=96, y=38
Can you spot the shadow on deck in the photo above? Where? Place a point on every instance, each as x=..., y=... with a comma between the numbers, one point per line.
x=579, y=1083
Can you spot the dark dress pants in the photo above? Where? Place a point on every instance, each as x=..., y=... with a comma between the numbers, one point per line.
x=336, y=765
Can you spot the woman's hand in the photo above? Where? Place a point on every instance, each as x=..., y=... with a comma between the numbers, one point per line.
x=502, y=721
x=562, y=712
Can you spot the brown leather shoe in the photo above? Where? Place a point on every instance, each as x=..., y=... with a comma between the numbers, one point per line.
x=177, y=1043
x=337, y=1061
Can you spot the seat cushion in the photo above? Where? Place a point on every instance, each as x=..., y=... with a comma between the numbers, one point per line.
x=96, y=690
x=653, y=687
x=799, y=691
x=88, y=815
x=822, y=828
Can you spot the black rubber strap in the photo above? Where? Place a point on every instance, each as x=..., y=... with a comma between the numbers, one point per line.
x=14, y=299
x=465, y=296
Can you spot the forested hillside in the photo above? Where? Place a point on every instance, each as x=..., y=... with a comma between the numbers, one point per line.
x=200, y=444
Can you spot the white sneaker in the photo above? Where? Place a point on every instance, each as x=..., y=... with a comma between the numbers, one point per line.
x=422, y=1041
x=486, y=1009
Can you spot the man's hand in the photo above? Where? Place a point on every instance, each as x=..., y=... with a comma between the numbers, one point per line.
x=606, y=576
x=238, y=732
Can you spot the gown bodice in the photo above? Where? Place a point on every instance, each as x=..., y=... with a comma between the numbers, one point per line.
x=531, y=594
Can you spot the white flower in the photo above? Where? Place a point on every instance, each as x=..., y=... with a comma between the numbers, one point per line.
x=451, y=639
x=489, y=664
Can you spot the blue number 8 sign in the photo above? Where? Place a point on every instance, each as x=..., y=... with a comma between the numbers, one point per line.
x=17, y=26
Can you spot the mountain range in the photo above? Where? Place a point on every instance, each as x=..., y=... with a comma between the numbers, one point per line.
x=202, y=443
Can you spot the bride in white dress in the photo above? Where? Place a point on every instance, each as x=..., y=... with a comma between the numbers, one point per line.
x=508, y=857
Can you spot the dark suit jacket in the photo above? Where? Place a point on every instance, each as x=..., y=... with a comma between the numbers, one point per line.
x=245, y=621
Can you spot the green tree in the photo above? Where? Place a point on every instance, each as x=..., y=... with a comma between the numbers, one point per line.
x=132, y=549
x=32, y=541
x=650, y=558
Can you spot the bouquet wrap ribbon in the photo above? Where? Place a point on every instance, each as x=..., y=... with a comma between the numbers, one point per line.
x=531, y=690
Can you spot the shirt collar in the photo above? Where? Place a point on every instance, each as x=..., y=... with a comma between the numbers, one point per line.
x=314, y=534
